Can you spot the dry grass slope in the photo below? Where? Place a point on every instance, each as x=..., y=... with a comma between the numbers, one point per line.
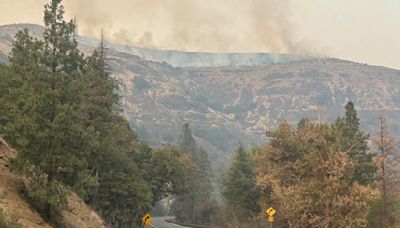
x=79, y=215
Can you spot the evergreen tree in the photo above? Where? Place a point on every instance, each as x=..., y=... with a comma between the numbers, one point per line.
x=98, y=102
x=48, y=128
x=186, y=142
x=119, y=161
x=197, y=187
x=25, y=54
x=124, y=193
x=355, y=143
x=203, y=165
x=184, y=206
x=241, y=195
x=9, y=84
x=60, y=51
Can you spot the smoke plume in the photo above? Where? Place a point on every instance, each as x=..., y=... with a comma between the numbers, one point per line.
x=191, y=25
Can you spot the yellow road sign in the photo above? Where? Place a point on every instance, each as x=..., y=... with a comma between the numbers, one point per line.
x=270, y=219
x=147, y=219
x=270, y=211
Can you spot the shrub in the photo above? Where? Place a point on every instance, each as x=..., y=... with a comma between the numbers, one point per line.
x=8, y=222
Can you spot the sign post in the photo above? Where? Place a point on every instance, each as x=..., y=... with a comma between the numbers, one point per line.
x=270, y=212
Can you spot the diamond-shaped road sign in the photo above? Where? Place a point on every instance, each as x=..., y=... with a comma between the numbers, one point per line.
x=270, y=211
x=147, y=219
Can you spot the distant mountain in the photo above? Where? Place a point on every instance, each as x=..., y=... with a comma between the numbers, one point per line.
x=243, y=96
x=173, y=58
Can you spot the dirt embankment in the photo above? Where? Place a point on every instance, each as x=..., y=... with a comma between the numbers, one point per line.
x=79, y=214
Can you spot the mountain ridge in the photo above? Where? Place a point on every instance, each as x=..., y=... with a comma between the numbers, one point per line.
x=177, y=58
x=230, y=104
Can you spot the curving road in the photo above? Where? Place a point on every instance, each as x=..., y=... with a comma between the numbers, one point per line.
x=159, y=222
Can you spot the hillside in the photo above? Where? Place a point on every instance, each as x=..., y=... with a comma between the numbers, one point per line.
x=229, y=98
x=14, y=204
x=227, y=105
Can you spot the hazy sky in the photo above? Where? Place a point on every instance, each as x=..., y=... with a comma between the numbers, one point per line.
x=365, y=31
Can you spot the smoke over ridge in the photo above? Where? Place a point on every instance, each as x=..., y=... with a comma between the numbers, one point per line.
x=192, y=25
x=188, y=25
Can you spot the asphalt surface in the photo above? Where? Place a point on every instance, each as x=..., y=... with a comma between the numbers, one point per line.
x=158, y=222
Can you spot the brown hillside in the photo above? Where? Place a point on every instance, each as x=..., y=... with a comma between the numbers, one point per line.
x=79, y=214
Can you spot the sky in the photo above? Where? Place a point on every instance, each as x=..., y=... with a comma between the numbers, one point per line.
x=366, y=31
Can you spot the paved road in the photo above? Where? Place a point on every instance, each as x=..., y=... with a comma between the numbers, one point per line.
x=158, y=222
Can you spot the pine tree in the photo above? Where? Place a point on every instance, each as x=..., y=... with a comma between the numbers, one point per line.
x=124, y=193
x=204, y=166
x=355, y=143
x=239, y=189
x=60, y=51
x=186, y=142
x=25, y=54
x=184, y=206
x=48, y=130
x=119, y=161
x=197, y=190
x=9, y=83
x=98, y=102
